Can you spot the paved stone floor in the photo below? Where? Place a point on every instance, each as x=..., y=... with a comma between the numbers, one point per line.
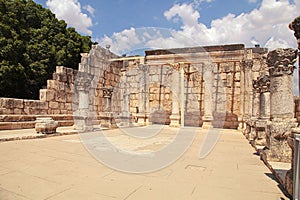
x=62, y=168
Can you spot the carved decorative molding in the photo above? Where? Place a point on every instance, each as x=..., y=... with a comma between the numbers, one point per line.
x=107, y=92
x=281, y=61
x=247, y=64
x=262, y=84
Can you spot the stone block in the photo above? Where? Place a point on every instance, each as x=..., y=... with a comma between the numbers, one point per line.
x=33, y=104
x=45, y=125
x=18, y=103
x=49, y=95
x=51, y=84
x=43, y=105
x=18, y=111
x=61, y=106
x=60, y=96
x=63, y=112
x=7, y=103
x=54, y=112
x=53, y=105
x=60, y=86
x=43, y=95
x=61, y=70
x=68, y=106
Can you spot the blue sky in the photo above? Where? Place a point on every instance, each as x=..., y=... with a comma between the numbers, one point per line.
x=125, y=24
x=116, y=15
x=131, y=25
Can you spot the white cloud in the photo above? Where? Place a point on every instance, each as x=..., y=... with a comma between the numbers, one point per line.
x=70, y=11
x=266, y=25
x=198, y=2
x=122, y=41
x=90, y=9
x=252, y=1
x=186, y=12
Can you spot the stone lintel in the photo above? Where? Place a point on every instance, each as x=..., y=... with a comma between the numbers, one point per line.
x=232, y=47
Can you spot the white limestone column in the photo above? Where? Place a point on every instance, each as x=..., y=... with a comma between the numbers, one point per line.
x=208, y=98
x=175, y=117
x=281, y=68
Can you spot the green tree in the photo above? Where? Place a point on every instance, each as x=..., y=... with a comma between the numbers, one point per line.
x=32, y=43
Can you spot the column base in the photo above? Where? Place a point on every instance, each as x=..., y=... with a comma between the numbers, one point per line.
x=207, y=122
x=207, y=125
x=82, y=121
x=107, y=120
x=125, y=120
x=175, y=121
x=260, y=132
x=143, y=120
x=277, y=140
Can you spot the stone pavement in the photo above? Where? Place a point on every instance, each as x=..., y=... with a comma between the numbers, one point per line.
x=62, y=168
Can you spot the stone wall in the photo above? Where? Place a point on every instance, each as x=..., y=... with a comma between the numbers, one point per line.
x=55, y=101
x=217, y=87
x=60, y=98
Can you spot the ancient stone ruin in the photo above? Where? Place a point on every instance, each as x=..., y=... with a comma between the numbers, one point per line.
x=214, y=89
x=227, y=86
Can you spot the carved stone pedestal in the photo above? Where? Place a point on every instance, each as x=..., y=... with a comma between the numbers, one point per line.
x=277, y=140
x=45, y=125
x=250, y=133
x=107, y=120
x=260, y=132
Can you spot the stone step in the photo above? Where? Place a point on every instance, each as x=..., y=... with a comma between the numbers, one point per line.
x=11, y=122
x=16, y=125
x=65, y=123
x=18, y=118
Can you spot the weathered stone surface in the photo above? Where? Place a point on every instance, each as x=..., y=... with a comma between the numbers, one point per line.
x=281, y=61
x=45, y=125
x=277, y=137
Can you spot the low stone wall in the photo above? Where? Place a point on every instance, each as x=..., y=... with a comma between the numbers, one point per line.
x=9, y=106
x=55, y=101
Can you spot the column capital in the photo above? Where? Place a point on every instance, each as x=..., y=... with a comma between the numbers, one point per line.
x=247, y=64
x=262, y=84
x=107, y=92
x=295, y=26
x=281, y=61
